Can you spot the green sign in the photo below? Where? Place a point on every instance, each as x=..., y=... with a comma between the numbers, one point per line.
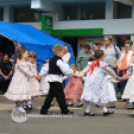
x=47, y=24
x=77, y=32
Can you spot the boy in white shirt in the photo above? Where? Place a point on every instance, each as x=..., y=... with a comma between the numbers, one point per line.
x=54, y=73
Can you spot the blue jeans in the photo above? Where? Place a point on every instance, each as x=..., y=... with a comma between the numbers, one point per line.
x=4, y=84
x=122, y=83
x=115, y=84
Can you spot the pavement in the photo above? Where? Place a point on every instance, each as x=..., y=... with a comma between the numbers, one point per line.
x=120, y=122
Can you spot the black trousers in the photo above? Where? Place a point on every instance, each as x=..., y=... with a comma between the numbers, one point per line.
x=4, y=84
x=56, y=90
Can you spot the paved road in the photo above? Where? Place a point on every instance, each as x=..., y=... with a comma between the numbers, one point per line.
x=119, y=123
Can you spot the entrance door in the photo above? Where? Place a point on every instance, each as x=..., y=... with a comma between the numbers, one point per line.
x=73, y=42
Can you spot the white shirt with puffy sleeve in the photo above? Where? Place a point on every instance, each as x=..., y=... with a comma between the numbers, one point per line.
x=57, y=78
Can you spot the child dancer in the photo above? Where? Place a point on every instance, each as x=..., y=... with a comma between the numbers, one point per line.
x=130, y=84
x=19, y=88
x=44, y=85
x=74, y=88
x=96, y=84
x=34, y=83
x=55, y=70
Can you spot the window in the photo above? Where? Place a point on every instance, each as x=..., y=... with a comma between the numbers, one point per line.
x=1, y=13
x=124, y=11
x=93, y=11
x=71, y=13
x=26, y=15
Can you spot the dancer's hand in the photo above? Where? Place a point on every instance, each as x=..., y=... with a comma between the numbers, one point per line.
x=119, y=79
x=37, y=77
x=75, y=75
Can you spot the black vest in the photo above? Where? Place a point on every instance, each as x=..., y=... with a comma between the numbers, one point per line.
x=53, y=68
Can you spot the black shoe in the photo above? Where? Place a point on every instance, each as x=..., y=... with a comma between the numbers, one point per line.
x=112, y=106
x=97, y=105
x=89, y=114
x=70, y=104
x=108, y=113
x=80, y=105
x=44, y=112
x=130, y=108
x=132, y=115
x=25, y=108
x=30, y=108
x=68, y=113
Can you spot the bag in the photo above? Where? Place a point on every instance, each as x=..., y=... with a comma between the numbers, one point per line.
x=44, y=86
x=117, y=56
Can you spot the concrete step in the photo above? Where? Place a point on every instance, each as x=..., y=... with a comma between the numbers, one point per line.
x=42, y=99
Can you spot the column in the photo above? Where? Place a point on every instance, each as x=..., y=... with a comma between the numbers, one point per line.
x=132, y=12
x=109, y=9
x=8, y=14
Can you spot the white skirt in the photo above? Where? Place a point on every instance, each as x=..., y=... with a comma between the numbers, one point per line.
x=127, y=91
x=111, y=92
x=44, y=87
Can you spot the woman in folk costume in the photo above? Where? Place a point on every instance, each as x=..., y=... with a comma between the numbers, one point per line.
x=130, y=84
x=19, y=89
x=123, y=64
x=96, y=84
x=74, y=88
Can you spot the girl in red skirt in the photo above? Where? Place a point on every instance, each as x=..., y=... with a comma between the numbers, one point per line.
x=74, y=88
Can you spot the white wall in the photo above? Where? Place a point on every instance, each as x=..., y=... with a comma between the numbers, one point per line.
x=34, y=24
x=111, y=27
x=49, y=6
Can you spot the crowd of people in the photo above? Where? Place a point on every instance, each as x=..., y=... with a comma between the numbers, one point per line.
x=93, y=79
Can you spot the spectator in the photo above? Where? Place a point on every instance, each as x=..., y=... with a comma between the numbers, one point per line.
x=15, y=56
x=5, y=73
x=1, y=56
x=67, y=55
x=95, y=47
x=124, y=63
x=112, y=54
x=83, y=58
x=122, y=49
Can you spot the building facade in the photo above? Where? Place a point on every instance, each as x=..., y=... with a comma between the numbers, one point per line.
x=77, y=22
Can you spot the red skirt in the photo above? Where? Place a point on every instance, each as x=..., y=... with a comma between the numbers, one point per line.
x=74, y=89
